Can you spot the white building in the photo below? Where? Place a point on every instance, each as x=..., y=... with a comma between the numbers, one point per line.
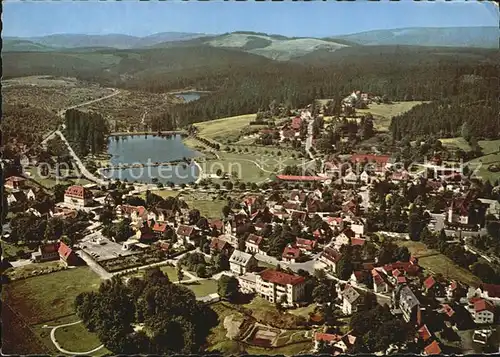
x=272, y=285
x=241, y=262
x=350, y=300
x=482, y=311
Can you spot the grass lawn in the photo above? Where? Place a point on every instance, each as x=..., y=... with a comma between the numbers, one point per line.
x=458, y=142
x=290, y=350
x=203, y=287
x=440, y=264
x=217, y=338
x=51, y=181
x=49, y=296
x=225, y=128
x=161, y=193
x=382, y=113
x=207, y=208
x=303, y=311
x=417, y=249
x=491, y=156
x=29, y=269
x=76, y=338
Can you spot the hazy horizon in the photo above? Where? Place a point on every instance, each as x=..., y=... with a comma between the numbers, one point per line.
x=141, y=19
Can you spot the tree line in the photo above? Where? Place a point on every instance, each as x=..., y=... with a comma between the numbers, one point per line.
x=86, y=131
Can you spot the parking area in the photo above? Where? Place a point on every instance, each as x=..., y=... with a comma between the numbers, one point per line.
x=101, y=248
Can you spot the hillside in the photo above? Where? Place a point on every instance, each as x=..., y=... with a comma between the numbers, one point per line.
x=483, y=37
x=10, y=45
x=118, y=41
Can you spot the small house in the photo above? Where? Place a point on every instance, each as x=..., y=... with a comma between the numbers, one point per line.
x=290, y=254
x=241, y=262
x=351, y=299
x=15, y=182
x=253, y=244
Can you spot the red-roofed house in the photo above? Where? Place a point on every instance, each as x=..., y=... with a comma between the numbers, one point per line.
x=429, y=283
x=273, y=284
x=290, y=254
x=330, y=257
x=216, y=224
x=358, y=277
x=358, y=241
x=424, y=334
x=380, y=281
x=345, y=237
x=300, y=178
x=253, y=244
x=326, y=338
x=306, y=245
x=218, y=245
x=77, y=196
x=15, y=182
x=432, y=349
x=483, y=312
x=67, y=255
x=186, y=232
x=46, y=252
x=490, y=292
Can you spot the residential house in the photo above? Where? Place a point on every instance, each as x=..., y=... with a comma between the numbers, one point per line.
x=16, y=196
x=67, y=255
x=351, y=299
x=298, y=215
x=290, y=254
x=113, y=199
x=222, y=246
x=247, y=282
x=381, y=282
x=344, y=238
x=455, y=290
x=253, y=244
x=490, y=292
x=297, y=196
x=379, y=162
x=431, y=286
x=432, y=349
x=482, y=311
x=350, y=178
x=364, y=177
x=217, y=225
x=78, y=196
x=358, y=277
x=327, y=339
x=272, y=285
x=46, y=252
x=330, y=257
x=241, y=262
x=187, y=233
x=15, y=182
x=305, y=245
x=341, y=346
x=424, y=334
x=408, y=303
x=357, y=225
x=137, y=214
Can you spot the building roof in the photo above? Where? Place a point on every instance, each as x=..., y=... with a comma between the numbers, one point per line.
x=433, y=349
x=407, y=297
x=49, y=248
x=159, y=227
x=424, y=333
x=291, y=252
x=358, y=241
x=448, y=310
x=296, y=123
x=216, y=223
x=401, y=280
x=327, y=337
x=254, y=239
x=331, y=254
x=129, y=209
x=15, y=179
x=492, y=289
x=299, y=215
x=77, y=192
x=482, y=304
x=429, y=282
x=18, y=195
x=218, y=244
x=349, y=233
x=184, y=230
x=300, y=178
x=350, y=294
x=240, y=258
x=379, y=159
x=308, y=244
x=64, y=251
x=281, y=278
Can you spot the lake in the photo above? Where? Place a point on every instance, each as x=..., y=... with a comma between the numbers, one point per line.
x=189, y=96
x=150, y=149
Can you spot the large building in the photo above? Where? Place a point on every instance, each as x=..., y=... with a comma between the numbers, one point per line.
x=272, y=285
x=78, y=196
x=241, y=262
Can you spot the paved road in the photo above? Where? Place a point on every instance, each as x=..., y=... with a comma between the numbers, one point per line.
x=58, y=346
x=99, y=270
x=309, y=139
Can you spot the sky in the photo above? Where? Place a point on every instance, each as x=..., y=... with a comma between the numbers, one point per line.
x=312, y=18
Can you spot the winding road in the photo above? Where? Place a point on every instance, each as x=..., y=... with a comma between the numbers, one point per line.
x=58, y=346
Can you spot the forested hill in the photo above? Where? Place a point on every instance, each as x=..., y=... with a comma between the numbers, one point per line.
x=244, y=83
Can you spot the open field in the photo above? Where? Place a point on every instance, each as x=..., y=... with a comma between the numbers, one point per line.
x=49, y=92
x=162, y=193
x=203, y=287
x=226, y=128
x=207, y=208
x=250, y=168
x=440, y=264
x=437, y=263
x=459, y=143
x=47, y=297
x=382, y=113
x=51, y=181
x=491, y=151
x=76, y=338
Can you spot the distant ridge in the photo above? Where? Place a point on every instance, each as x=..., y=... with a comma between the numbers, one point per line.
x=482, y=37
